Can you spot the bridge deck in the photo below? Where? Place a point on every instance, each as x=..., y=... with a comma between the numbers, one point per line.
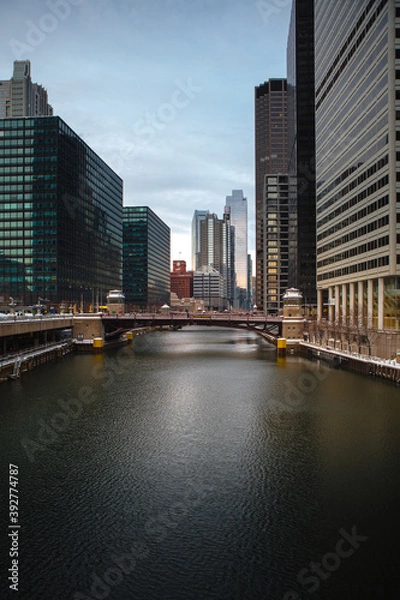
x=243, y=321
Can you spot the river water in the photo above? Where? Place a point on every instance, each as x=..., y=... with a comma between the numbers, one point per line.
x=196, y=465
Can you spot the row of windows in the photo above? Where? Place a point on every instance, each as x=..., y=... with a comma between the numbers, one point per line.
x=18, y=152
x=353, y=184
x=28, y=160
x=356, y=12
x=16, y=169
x=31, y=250
x=356, y=233
x=16, y=268
x=8, y=211
x=28, y=178
x=348, y=119
x=349, y=55
x=374, y=263
x=28, y=187
x=25, y=204
x=368, y=82
x=374, y=206
x=21, y=123
x=8, y=224
x=358, y=198
x=353, y=155
x=367, y=247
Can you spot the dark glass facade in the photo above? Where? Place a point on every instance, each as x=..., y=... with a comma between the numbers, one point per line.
x=301, y=147
x=271, y=158
x=60, y=216
x=237, y=206
x=146, y=259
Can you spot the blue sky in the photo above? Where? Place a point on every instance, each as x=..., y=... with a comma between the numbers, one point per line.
x=162, y=90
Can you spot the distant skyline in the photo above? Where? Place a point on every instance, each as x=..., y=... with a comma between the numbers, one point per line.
x=162, y=90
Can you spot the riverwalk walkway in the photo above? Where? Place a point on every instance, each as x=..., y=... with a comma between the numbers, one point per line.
x=354, y=361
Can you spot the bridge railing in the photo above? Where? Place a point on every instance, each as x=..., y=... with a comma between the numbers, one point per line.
x=173, y=316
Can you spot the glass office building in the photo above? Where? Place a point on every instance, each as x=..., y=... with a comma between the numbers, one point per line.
x=60, y=216
x=237, y=205
x=358, y=160
x=271, y=158
x=146, y=259
x=301, y=149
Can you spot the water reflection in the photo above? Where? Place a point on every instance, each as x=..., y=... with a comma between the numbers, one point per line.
x=230, y=469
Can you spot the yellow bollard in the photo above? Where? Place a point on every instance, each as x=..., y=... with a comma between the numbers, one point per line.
x=281, y=346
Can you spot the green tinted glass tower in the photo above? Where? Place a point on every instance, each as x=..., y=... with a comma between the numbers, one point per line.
x=146, y=259
x=60, y=216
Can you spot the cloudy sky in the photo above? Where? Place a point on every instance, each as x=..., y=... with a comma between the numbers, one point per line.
x=162, y=90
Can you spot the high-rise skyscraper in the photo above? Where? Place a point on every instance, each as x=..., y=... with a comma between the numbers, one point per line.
x=214, y=247
x=198, y=217
x=271, y=158
x=357, y=66
x=60, y=216
x=276, y=236
x=19, y=97
x=237, y=205
x=146, y=259
x=301, y=150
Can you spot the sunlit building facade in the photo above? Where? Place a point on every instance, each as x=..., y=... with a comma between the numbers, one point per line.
x=358, y=161
x=237, y=205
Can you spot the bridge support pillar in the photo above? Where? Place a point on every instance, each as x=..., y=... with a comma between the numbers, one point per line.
x=87, y=329
x=281, y=346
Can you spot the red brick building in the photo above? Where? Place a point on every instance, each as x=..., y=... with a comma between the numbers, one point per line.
x=181, y=280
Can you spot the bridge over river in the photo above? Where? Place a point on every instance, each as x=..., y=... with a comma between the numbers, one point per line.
x=115, y=325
